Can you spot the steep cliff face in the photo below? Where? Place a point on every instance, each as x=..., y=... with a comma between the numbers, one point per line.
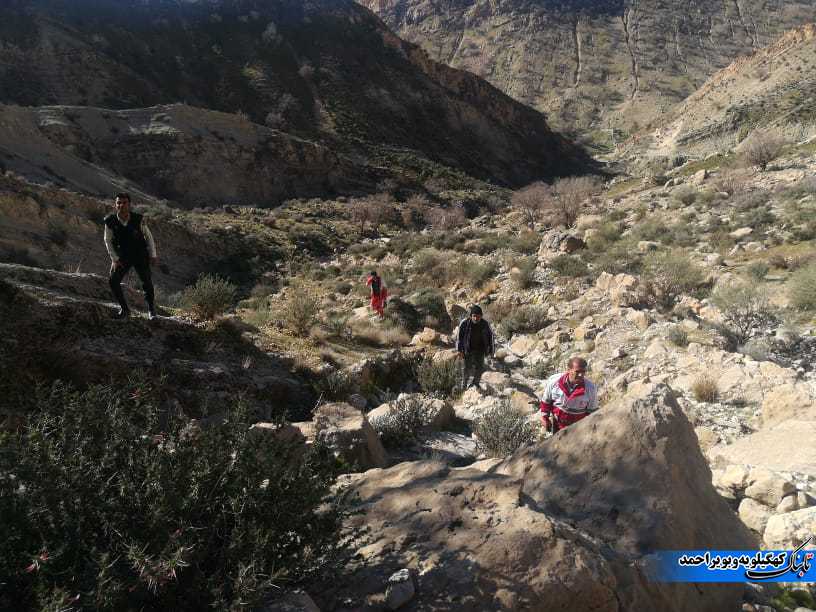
x=593, y=63
x=327, y=72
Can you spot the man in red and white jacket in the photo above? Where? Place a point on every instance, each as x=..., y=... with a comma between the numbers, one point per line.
x=568, y=397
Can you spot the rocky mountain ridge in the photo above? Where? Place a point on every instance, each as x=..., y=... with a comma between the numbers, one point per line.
x=593, y=66
x=320, y=85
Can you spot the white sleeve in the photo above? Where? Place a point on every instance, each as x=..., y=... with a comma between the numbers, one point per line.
x=593, y=399
x=151, y=243
x=109, y=245
x=548, y=395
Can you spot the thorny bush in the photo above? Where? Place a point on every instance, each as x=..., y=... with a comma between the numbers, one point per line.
x=111, y=502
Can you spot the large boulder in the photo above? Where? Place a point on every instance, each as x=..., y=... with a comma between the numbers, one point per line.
x=347, y=432
x=771, y=448
x=622, y=289
x=789, y=530
x=563, y=525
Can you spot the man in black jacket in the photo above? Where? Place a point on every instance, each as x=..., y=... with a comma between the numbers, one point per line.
x=130, y=245
x=475, y=340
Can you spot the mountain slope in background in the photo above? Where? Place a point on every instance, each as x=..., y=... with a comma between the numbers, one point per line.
x=593, y=64
x=773, y=87
x=329, y=74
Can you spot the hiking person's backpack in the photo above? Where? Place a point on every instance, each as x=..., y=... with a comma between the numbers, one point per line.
x=375, y=285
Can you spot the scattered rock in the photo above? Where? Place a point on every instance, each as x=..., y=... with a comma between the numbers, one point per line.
x=742, y=232
x=699, y=177
x=400, y=589
x=297, y=601
x=347, y=432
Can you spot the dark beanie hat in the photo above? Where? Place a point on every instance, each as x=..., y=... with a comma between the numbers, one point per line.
x=475, y=309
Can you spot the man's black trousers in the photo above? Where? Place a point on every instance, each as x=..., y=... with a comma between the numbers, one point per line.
x=143, y=270
x=474, y=364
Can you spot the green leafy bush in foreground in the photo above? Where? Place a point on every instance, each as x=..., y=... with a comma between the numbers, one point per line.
x=111, y=503
x=209, y=297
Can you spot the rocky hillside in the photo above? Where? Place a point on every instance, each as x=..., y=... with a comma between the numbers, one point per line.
x=771, y=88
x=593, y=65
x=297, y=97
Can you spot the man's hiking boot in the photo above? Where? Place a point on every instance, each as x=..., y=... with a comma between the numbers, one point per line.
x=123, y=313
x=151, y=313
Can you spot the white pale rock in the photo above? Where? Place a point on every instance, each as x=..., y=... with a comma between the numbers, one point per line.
x=789, y=530
x=754, y=514
x=794, y=502
x=768, y=487
x=400, y=590
x=742, y=232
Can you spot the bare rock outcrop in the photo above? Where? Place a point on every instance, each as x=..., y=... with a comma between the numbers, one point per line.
x=562, y=525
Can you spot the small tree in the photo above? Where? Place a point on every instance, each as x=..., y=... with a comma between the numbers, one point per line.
x=374, y=210
x=745, y=309
x=531, y=200
x=762, y=147
x=571, y=196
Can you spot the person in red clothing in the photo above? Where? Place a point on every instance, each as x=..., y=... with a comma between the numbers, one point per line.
x=379, y=294
x=568, y=397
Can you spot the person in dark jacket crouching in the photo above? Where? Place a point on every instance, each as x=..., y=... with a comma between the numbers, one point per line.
x=475, y=341
x=130, y=245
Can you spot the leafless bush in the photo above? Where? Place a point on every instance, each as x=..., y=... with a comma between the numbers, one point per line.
x=373, y=210
x=415, y=212
x=531, y=201
x=447, y=218
x=762, y=147
x=746, y=309
x=571, y=196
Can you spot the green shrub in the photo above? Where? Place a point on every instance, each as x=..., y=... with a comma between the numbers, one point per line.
x=685, y=194
x=567, y=265
x=299, y=311
x=620, y=256
x=431, y=303
x=757, y=270
x=802, y=288
x=405, y=420
x=438, y=377
x=478, y=272
x=334, y=386
x=705, y=389
x=670, y=274
x=209, y=297
x=527, y=242
x=110, y=501
x=338, y=325
x=524, y=319
x=523, y=274
x=745, y=308
x=502, y=430
x=678, y=336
